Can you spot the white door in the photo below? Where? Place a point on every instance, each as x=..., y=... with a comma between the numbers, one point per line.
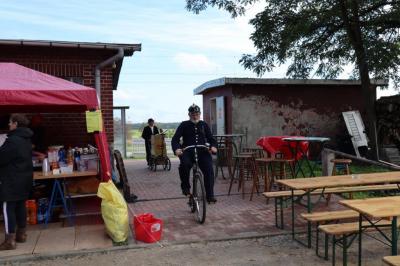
x=356, y=129
x=220, y=115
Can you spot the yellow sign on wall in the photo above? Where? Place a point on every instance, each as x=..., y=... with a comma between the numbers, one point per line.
x=94, y=121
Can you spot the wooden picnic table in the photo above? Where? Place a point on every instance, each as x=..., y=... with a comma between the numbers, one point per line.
x=313, y=183
x=373, y=209
x=341, y=180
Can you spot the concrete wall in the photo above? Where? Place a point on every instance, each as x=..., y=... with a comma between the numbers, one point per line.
x=284, y=110
x=269, y=118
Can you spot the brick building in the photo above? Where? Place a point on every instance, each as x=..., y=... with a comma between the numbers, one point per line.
x=79, y=62
x=273, y=107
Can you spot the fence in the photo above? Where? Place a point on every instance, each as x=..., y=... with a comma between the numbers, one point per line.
x=139, y=150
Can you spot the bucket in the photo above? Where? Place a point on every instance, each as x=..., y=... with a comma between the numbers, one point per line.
x=148, y=229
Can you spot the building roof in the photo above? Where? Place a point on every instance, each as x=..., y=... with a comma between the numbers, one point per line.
x=209, y=85
x=129, y=49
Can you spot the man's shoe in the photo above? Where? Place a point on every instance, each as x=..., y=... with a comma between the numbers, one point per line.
x=211, y=200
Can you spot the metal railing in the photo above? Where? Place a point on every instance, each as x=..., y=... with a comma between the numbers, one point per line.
x=140, y=150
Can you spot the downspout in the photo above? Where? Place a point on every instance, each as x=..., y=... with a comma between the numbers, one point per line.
x=99, y=67
x=97, y=84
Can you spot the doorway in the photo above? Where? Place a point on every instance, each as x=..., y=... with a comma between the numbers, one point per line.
x=217, y=115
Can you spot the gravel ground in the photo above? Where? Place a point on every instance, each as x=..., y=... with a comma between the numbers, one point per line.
x=276, y=250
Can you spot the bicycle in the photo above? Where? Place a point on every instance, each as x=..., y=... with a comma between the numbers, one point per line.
x=197, y=199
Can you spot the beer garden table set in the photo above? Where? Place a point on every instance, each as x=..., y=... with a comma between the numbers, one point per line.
x=309, y=185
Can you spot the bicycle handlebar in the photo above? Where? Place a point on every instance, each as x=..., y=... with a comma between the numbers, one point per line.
x=196, y=146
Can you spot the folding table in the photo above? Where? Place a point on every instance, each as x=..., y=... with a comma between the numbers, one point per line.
x=57, y=190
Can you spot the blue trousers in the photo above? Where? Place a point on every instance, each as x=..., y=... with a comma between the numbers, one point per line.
x=205, y=164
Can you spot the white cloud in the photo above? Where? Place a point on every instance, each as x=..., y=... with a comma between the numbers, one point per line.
x=127, y=95
x=195, y=62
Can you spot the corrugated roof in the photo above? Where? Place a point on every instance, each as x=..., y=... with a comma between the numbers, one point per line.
x=259, y=81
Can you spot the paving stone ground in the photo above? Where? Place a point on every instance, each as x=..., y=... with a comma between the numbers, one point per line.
x=231, y=217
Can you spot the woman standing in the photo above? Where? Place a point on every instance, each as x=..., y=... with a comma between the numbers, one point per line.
x=16, y=174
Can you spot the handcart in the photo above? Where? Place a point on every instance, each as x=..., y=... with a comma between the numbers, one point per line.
x=159, y=153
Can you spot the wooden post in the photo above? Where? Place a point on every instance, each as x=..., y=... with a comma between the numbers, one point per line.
x=327, y=165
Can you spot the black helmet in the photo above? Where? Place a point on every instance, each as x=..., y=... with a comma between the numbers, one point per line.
x=194, y=109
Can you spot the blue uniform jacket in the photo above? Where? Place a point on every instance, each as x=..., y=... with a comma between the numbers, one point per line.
x=192, y=134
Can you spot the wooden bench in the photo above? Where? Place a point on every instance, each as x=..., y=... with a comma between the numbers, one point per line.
x=284, y=195
x=341, y=232
x=392, y=260
x=327, y=217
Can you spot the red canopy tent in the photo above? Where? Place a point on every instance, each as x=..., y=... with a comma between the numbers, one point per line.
x=26, y=90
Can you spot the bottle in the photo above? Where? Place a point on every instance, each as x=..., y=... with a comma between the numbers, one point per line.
x=45, y=166
x=31, y=210
x=61, y=155
x=77, y=159
x=70, y=156
x=43, y=204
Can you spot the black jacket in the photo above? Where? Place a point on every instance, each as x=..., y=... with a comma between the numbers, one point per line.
x=146, y=134
x=192, y=134
x=16, y=170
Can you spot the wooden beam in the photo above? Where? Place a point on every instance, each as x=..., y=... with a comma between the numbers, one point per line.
x=326, y=160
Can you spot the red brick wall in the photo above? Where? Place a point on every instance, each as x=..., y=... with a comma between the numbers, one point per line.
x=62, y=128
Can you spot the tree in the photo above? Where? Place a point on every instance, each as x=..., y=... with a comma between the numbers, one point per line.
x=321, y=37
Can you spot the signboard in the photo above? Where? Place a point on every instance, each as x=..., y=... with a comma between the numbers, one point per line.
x=356, y=129
x=94, y=121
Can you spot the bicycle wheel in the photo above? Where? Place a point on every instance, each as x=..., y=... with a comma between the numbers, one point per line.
x=199, y=198
x=167, y=165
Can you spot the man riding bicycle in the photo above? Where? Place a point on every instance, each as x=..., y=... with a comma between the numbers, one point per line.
x=195, y=132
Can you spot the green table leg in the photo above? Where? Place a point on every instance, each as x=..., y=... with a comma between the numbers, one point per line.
x=326, y=246
x=394, y=236
x=292, y=213
x=344, y=250
x=359, y=238
x=276, y=212
x=333, y=250
x=308, y=222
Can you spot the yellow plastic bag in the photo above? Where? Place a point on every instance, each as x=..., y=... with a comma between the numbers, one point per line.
x=114, y=211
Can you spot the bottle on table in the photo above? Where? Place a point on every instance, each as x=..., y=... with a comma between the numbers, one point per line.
x=77, y=159
x=70, y=156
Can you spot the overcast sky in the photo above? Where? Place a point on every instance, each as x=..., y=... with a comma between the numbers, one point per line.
x=180, y=50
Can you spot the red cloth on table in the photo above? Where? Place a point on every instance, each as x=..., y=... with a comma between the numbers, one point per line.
x=276, y=144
